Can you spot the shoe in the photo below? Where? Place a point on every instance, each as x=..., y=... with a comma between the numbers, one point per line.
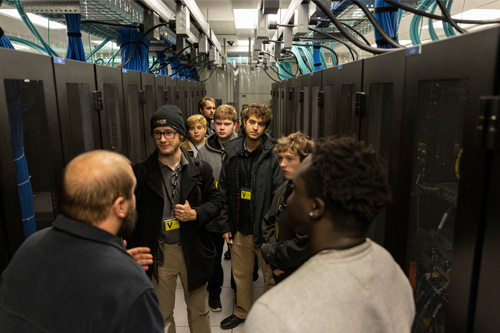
x=214, y=303
x=227, y=255
x=231, y=322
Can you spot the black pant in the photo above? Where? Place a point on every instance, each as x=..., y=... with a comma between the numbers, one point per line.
x=217, y=279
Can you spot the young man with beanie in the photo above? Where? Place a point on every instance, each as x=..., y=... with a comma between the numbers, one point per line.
x=249, y=177
x=350, y=284
x=212, y=152
x=176, y=198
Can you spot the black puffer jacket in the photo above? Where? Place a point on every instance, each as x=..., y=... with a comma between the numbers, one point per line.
x=198, y=187
x=266, y=178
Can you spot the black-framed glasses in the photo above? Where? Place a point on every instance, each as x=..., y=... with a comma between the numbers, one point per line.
x=168, y=134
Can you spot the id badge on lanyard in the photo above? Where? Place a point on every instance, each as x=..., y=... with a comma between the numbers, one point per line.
x=246, y=193
x=171, y=224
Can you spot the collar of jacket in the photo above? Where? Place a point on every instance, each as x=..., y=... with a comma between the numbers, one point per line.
x=235, y=147
x=189, y=174
x=87, y=231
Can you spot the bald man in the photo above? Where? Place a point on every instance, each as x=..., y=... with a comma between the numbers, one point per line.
x=76, y=276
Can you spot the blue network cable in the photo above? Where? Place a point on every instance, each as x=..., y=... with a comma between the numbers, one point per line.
x=387, y=16
x=127, y=39
x=13, y=89
x=4, y=41
x=75, y=46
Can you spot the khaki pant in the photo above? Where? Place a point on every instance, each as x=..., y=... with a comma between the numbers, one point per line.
x=242, y=261
x=197, y=309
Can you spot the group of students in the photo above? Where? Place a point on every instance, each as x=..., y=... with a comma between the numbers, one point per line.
x=299, y=207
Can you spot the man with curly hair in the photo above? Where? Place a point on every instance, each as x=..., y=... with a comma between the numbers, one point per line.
x=350, y=284
x=249, y=176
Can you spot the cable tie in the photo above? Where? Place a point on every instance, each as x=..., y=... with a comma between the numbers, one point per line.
x=74, y=34
x=25, y=182
x=17, y=159
x=386, y=9
x=29, y=218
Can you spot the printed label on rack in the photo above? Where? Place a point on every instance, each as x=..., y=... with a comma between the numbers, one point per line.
x=59, y=61
x=414, y=50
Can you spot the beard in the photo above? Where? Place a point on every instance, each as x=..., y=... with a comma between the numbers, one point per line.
x=128, y=223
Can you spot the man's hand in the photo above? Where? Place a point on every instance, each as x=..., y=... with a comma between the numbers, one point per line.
x=278, y=272
x=141, y=255
x=228, y=237
x=184, y=212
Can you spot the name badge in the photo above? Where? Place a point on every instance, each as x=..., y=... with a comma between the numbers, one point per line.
x=171, y=224
x=246, y=194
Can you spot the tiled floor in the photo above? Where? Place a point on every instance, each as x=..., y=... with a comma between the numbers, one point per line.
x=227, y=299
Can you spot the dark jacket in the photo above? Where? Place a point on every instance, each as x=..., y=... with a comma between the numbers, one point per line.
x=74, y=277
x=290, y=249
x=198, y=187
x=266, y=178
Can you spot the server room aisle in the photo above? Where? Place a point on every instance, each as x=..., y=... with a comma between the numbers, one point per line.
x=227, y=300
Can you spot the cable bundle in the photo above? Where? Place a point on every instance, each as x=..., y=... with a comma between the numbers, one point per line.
x=13, y=89
x=4, y=41
x=75, y=46
x=387, y=16
x=129, y=49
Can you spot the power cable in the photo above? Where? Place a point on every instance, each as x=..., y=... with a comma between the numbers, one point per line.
x=339, y=26
x=349, y=47
x=268, y=74
x=448, y=17
x=209, y=75
x=437, y=17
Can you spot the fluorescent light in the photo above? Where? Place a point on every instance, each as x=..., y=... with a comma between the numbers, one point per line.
x=245, y=18
x=243, y=42
x=473, y=14
x=35, y=19
x=20, y=47
x=108, y=44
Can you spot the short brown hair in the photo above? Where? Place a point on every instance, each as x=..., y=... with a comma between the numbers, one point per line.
x=226, y=111
x=203, y=102
x=91, y=183
x=197, y=118
x=258, y=110
x=296, y=143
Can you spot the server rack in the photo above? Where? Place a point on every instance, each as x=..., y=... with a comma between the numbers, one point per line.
x=446, y=189
x=289, y=114
x=148, y=95
x=274, y=105
x=135, y=98
x=311, y=85
x=298, y=104
x=28, y=87
x=162, y=93
x=75, y=86
x=112, y=110
x=380, y=108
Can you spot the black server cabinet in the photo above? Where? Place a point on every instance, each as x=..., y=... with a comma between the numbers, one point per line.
x=112, y=109
x=279, y=114
x=171, y=90
x=311, y=86
x=316, y=105
x=148, y=95
x=162, y=94
x=445, y=190
x=347, y=82
x=290, y=107
x=134, y=99
x=298, y=104
x=76, y=86
x=330, y=113
x=274, y=104
x=380, y=108
x=191, y=101
x=182, y=96
x=28, y=97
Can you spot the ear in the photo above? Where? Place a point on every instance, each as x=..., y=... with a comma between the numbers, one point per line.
x=318, y=208
x=120, y=206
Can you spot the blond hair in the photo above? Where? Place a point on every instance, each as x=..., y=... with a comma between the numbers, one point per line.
x=226, y=111
x=197, y=118
x=296, y=143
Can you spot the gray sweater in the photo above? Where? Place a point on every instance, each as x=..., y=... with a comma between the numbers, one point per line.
x=212, y=153
x=361, y=289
